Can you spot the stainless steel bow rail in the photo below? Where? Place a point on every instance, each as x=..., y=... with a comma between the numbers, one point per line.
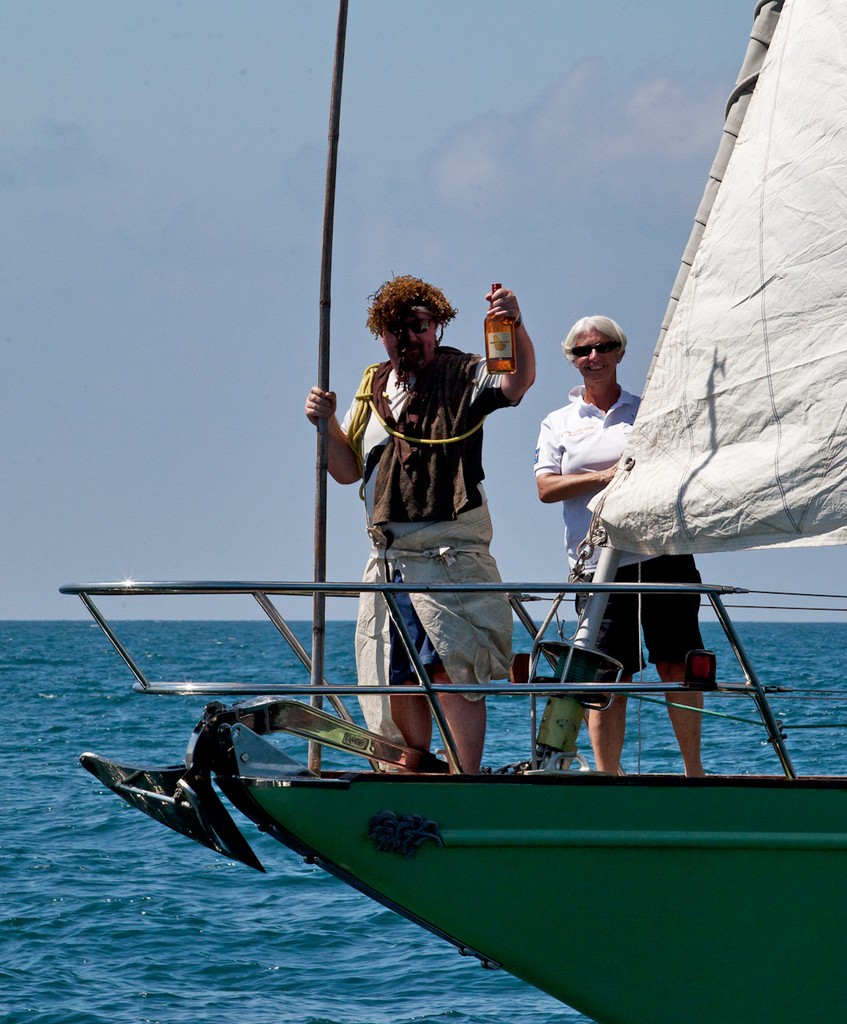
x=543, y=679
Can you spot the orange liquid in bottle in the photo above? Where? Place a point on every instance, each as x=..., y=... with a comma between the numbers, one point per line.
x=499, y=342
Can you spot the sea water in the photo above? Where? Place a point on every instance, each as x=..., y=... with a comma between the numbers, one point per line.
x=108, y=917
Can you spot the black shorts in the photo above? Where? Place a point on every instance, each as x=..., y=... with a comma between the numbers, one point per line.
x=669, y=621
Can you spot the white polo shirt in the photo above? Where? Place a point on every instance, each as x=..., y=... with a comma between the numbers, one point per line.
x=580, y=438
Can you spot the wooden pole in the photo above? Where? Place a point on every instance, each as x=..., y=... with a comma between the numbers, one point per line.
x=319, y=601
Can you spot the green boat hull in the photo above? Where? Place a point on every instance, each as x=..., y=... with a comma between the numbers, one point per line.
x=652, y=900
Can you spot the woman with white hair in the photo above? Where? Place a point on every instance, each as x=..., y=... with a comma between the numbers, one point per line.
x=578, y=450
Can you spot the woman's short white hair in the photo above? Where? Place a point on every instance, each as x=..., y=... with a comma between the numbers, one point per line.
x=606, y=326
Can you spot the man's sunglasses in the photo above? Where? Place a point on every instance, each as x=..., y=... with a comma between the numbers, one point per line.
x=413, y=326
x=602, y=348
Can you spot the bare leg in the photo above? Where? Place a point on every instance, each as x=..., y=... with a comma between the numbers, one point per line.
x=466, y=719
x=687, y=725
x=411, y=716
x=607, y=730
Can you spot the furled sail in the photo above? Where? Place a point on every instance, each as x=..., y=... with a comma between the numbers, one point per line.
x=741, y=438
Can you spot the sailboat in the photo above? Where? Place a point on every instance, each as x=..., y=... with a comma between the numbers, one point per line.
x=677, y=884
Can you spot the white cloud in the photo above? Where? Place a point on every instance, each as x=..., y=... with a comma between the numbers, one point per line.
x=581, y=136
x=475, y=166
x=61, y=155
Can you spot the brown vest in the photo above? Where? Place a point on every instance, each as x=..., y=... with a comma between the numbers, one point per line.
x=433, y=482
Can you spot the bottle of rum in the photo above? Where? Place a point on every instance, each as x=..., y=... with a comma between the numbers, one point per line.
x=499, y=342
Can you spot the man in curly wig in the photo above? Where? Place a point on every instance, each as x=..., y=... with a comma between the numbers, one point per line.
x=413, y=436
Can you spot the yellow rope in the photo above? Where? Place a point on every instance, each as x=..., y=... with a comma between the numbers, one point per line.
x=361, y=413
x=425, y=440
x=359, y=421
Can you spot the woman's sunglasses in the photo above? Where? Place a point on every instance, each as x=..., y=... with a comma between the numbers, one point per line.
x=602, y=348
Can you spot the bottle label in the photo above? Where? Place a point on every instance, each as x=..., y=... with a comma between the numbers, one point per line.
x=500, y=344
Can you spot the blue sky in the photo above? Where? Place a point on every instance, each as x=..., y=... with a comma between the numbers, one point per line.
x=161, y=186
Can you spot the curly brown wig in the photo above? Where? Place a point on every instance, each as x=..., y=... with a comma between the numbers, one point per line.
x=394, y=299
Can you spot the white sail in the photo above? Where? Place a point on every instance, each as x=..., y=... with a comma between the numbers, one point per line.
x=741, y=439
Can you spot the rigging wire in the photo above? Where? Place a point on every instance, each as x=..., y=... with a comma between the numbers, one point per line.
x=788, y=607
